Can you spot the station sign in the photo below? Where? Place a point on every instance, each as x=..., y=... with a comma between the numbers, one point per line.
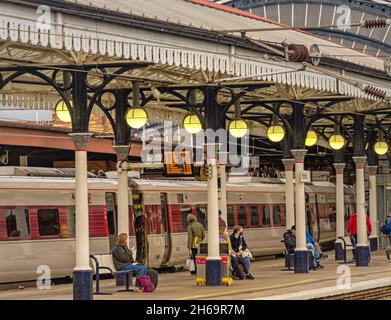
x=178, y=164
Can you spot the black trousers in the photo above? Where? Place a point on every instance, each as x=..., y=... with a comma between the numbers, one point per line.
x=193, y=255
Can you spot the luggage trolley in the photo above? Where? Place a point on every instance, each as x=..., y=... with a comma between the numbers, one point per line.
x=225, y=264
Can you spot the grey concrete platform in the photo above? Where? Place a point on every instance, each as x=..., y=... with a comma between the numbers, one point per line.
x=270, y=282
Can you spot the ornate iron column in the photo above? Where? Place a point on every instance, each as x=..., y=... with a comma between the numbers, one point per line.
x=301, y=252
x=213, y=261
x=122, y=148
x=82, y=273
x=362, y=248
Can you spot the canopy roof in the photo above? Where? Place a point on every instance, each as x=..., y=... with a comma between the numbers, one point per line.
x=184, y=43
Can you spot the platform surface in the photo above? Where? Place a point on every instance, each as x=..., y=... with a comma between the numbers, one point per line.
x=269, y=281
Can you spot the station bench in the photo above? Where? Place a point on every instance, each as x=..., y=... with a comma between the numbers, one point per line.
x=103, y=264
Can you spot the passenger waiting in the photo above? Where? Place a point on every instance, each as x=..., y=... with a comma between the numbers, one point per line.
x=316, y=246
x=315, y=254
x=290, y=244
x=123, y=257
x=195, y=234
x=240, y=251
x=225, y=239
x=290, y=239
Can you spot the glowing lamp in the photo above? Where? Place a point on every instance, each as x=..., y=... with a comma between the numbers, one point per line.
x=337, y=141
x=136, y=118
x=311, y=138
x=62, y=111
x=276, y=133
x=238, y=128
x=192, y=124
x=381, y=147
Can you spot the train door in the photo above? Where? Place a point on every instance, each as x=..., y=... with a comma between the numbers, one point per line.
x=140, y=225
x=111, y=212
x=165, y=229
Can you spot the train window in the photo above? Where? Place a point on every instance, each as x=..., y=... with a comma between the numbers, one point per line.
x=242, y=217
x=230, y=216
x=48, y=222
x=254, y=216
x=71, y=222
x=265, y=216
x=184, y=212
x=201, y=216
x=18, y=224
x=276, y=215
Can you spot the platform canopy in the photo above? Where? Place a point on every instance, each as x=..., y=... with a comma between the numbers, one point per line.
x=184, y=42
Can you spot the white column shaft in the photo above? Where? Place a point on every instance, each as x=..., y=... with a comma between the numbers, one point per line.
x=340, y=205
x=360, y=204
x=123, y=203
x=81, y=195
x=213, y=216
x=301, y=243
x=373, y=204
x=223, y=193
x=289, y=199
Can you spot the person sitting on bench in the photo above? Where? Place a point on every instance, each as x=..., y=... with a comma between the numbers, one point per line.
x=315, y=254
x=290, y=244
x=290, y=239
x=123, y=257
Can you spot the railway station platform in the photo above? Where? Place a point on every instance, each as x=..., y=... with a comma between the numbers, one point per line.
x=270, y=283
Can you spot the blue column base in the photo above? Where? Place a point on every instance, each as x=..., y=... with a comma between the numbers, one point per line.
x=362, y=256
x=213, y=272
x=339, y=253
x=373, y=244
x=301, y=261
x=82, y=285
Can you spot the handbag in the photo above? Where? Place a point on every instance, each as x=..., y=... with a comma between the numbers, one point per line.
x=247, y=254
x=189, y=265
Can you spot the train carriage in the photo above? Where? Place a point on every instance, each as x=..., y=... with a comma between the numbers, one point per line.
x=37, y=218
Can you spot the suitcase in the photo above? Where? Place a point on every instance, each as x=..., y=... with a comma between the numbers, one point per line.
x=154, y=276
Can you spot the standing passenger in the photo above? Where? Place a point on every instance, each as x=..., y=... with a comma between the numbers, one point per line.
x=352, y=228
x=195, y=234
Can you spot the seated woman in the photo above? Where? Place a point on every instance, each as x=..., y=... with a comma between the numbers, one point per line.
x=123, y=258
x=240, y=252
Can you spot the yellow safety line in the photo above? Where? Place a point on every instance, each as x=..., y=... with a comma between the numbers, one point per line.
x=251, y=290
x=218, y=294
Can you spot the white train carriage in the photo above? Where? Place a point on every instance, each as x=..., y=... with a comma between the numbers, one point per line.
x=37, y=218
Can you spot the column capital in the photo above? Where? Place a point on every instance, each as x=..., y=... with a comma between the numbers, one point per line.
x=80, y=139
x=360, y=161
x=122, y=152
x=339, y=167
x=288, y=164
x=372, y=170
x=299, y=154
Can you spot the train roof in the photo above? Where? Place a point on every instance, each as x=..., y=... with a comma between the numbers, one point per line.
x=52, y=178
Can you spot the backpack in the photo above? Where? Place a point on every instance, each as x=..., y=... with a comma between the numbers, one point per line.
x=385, y=229
x=154, y=277
x=145, y=283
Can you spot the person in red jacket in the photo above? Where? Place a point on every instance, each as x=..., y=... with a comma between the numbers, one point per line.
x=352, y=227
